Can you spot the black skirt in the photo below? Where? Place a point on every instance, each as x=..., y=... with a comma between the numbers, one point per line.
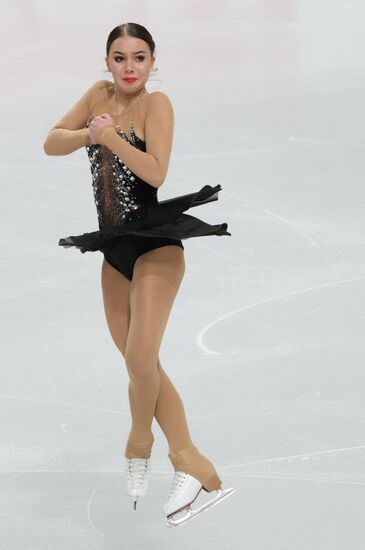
x=164, y=219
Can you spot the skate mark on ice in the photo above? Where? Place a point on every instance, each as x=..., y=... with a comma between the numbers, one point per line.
x=270, y=468
x=221, y=256
x=330, y=413
x=321, y=308
x=316, y=456
x=208, y=351
x=41, y=525
x=89, y=513
x=46, y=282
x=296, y=226
x=21, y=471
x=297, y=478
x=273, y=420
x=65, y=403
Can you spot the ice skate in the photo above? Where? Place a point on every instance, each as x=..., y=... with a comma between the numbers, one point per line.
x=193, y=472
x=137, y=471
x=137, y=468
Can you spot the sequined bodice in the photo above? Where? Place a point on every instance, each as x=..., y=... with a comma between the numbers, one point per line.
x=119, y=194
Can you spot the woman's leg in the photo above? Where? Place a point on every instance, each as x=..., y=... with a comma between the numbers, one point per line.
x=170, y=414
x=116, y=288
x=156, y=279
x=169, y=409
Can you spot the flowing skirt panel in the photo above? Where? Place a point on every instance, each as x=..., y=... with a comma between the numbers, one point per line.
x=164, y=219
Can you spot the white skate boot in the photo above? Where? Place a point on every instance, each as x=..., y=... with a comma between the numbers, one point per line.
x=184, y=491
x=137, y=471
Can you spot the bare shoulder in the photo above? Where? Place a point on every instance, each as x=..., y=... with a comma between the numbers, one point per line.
x=100, y=90
x=158, y=100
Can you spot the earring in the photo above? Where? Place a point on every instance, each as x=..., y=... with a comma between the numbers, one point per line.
x=154, y=79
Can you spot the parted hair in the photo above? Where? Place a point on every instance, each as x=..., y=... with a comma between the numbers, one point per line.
x=131, y=29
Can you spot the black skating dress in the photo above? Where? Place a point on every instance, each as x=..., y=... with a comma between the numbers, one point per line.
x=131, y=219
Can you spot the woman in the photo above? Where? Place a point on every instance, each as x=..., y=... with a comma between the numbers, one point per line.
x=140, y=239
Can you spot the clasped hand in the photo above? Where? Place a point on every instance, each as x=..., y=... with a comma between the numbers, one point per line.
x=96, y=129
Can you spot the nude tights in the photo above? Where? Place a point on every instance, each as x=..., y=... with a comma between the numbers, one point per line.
x=169, y=412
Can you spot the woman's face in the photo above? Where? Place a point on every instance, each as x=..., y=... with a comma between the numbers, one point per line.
x=130, y=57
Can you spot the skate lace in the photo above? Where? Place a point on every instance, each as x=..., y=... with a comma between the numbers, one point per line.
x=136, y=470
x=178, y=480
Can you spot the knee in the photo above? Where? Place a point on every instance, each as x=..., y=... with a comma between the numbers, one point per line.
x=120, y=343
x=139, y=364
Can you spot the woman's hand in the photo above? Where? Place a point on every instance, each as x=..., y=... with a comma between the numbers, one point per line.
x=97, y=128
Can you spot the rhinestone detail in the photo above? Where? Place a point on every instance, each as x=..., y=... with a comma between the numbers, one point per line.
x=119, y=194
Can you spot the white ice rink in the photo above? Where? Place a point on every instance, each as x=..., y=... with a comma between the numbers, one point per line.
x=265, y=342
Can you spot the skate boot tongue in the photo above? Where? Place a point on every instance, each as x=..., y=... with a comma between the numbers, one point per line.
x=191, y=461
x=137, y=471
x=177, y=482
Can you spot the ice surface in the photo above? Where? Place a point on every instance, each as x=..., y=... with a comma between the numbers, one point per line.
x=265, y=342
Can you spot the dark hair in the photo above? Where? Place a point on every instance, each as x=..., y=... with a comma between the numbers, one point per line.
x=130, y=29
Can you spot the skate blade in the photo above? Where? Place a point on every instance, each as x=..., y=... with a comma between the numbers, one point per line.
x=221, y=495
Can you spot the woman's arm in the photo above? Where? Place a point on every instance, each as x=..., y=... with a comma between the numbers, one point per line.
x=63, y=142
x=152, y=165
x=70, y=133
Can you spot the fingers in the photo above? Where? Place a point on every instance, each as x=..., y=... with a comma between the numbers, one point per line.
x=99, y=126
x=103, y=116
x=106, y=116
x=101, y=120
x=103, y=129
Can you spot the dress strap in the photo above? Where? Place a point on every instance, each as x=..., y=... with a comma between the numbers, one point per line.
x=89, y=120
x=130, y=131
x=131, y=128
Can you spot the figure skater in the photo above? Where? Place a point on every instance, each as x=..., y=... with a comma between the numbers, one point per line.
x=128, y=133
